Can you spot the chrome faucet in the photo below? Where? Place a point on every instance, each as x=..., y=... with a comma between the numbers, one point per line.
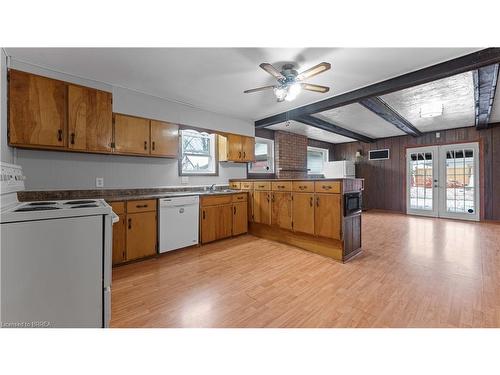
x=212, y=187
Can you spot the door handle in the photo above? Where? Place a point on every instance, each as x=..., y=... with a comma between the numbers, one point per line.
x=239, y=154
x=311, y=201
x=59, y=135
x=234, y=210
x=317, y=201
x=145, y=145
x=153, y=145
x=129, y=223
x=72, y=138
x=244, y=154
x=203, y=212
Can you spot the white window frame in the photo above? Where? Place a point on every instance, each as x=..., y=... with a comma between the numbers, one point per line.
x=270, y=156
x=325, y=153
x=213, y=170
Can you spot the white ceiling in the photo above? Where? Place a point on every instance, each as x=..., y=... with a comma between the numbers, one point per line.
x=357, y=118
x=214, y=78
x=310, y=132
x=455, y=93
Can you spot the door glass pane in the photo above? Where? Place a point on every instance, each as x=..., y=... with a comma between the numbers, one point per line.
x=460, y=190
x=421, y=180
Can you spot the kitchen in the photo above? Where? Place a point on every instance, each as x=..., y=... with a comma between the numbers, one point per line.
x=300, y=190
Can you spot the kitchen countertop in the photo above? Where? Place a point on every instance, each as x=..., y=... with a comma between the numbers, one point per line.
x=118, y=198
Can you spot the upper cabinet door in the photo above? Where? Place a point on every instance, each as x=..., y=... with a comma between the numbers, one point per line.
x=37, y=110
x=248, y=149
x=131, y=135
x=90, y=118
x=164, y=139
x=234, y=150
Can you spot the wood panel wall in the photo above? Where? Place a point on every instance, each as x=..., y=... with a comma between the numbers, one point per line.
x=385, y=180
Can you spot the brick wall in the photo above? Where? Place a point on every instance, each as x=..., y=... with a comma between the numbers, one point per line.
x=290, y=155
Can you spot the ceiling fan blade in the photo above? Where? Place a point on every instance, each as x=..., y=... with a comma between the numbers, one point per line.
x=258, y=89
x=272, y=71
x=315, y=70
x=315, y=88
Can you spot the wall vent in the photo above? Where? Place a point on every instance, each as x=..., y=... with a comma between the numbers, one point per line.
x=379, y=154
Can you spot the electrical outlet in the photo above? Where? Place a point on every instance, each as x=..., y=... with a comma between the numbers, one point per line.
x=99, y=182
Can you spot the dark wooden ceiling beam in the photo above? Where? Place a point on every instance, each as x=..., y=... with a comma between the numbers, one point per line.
x=332, y=128
x=449, y=68
x=485, y=83
x=385, y=111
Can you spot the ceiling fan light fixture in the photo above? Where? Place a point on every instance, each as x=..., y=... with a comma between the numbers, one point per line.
x=280, y=93
x=293, y=90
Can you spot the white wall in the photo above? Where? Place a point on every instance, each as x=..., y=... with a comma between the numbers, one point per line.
x=51, y=170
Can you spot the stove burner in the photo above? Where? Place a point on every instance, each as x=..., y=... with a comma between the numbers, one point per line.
x=36, y=208
x=85, y=205
x=85, y=201
x=40, y=203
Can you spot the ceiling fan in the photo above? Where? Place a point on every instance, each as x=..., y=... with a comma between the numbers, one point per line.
x=290, y=81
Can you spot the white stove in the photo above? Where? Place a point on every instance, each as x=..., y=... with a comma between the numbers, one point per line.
x=55, y=259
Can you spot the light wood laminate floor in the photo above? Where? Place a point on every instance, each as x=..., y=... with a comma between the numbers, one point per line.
x=413, y=272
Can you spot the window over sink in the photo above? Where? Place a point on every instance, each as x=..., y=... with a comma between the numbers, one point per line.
x=316, y=159
x=198, y=156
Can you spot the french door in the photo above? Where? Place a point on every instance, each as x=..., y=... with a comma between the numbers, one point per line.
x=443, y=181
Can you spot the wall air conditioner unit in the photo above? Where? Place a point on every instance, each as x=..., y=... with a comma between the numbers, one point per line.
x=379, y=154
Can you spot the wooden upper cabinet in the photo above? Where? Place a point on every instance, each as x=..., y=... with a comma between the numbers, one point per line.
x=37, y=110
x=303, y=212
x=131, y=135
x=248, y=148
x=328, y=216
x=164, y=139
x=90, y=119
x=234, y=147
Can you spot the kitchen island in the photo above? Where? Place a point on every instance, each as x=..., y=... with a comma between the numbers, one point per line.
x=319, y=215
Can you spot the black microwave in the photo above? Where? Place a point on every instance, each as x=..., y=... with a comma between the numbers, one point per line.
x=352, y=203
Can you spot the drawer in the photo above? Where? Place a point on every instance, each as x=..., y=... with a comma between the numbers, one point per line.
x=216, y=200
x=281, y=185
x=303, y=186
x=240, y=197
x=118, y=207
x=246, y=185
x=264, y=185
x=234, y=185
x=327, y=187
x=141, y=206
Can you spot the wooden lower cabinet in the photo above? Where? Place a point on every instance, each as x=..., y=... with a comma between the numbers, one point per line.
x=281, y=211
x=327, y=218
x=240, y=218
x=262, y=207
x=303, y=212
x=135, y=234
x=141, y=235
x=119, y=249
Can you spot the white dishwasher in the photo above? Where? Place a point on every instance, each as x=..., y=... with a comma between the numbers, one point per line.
x=178, y=224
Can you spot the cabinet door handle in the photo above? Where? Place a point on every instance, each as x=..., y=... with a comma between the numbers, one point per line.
x=268, y=197
x=72, y=138
x=327, y=187
x=234, y=210
x=141, y=206
x=239, y=154
x=153, y=145
x=59, y=135
x=272, y=198
x=145, y=145
x=203, y=212
x=244, y=155
x=317, y=201
x=129, y=223
x=311, y=201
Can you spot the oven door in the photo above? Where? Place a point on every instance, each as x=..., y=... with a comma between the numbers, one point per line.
x=352, y=203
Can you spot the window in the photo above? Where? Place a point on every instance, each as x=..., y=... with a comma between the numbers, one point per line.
x=197, y=153
x=264, y=156
x=316, y=159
